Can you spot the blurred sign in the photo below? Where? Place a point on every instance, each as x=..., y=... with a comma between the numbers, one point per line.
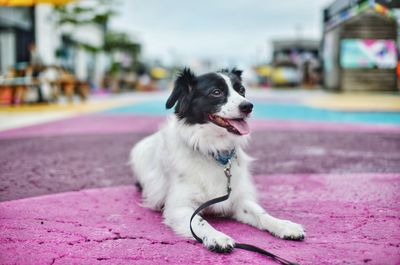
x=368, y=53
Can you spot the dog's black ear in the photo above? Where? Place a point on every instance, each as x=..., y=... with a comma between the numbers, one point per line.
x=185, y=81
x=237, y=73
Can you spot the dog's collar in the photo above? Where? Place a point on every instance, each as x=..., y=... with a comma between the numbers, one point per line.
x=223, y=157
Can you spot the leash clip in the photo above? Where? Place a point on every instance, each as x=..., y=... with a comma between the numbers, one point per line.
x=227, y=171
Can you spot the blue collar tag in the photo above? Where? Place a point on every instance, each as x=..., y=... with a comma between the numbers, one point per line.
x=223, y=157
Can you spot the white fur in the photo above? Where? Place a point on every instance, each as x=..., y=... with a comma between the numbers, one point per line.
x=230, y=109
x=176, y=171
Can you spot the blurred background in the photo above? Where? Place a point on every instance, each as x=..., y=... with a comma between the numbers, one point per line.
x=65, y=50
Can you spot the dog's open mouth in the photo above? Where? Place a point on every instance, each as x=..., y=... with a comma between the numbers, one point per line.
x=236, y=126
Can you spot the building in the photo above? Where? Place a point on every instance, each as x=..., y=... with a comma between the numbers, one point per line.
x=74, y=46
x=360, y=45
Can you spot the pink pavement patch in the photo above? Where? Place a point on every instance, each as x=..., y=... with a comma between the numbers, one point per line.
x=90, y=124
x=114, y=124
x=350, y=219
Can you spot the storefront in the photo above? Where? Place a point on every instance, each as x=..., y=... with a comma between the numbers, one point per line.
x=359, y=46
x=16, y=34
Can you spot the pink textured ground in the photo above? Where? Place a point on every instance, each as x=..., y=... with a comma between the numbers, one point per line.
x=114, y=124
x=350, y=219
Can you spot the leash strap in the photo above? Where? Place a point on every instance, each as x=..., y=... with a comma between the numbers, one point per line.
x=237, y=245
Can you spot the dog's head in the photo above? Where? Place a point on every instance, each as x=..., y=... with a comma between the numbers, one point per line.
x=216, y=98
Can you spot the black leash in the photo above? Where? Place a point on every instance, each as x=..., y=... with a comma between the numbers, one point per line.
x=237, y=245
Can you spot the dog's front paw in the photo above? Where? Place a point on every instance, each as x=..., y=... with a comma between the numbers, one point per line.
x=219, y=242
x=288, y=230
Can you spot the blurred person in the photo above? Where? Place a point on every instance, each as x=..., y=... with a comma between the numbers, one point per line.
x=71, y=86
x=307, y=75
x=131, y=80
x=144, y=82
x=32, y=93
x=35, y=67
x=35, y=60
x=48, y=78
x=22, y=83
x=68, y=83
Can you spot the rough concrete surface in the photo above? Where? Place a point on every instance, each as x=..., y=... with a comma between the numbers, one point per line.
x=348, y=222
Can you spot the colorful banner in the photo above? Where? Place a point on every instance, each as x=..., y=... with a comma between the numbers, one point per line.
x=368, y=53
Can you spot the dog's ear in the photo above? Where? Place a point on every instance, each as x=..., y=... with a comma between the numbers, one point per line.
x=184, y=83
x=237, y=73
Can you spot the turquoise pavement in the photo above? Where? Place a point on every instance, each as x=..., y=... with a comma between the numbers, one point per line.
x=281, y=111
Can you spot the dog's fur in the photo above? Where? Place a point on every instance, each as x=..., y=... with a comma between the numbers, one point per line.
x=177, y=172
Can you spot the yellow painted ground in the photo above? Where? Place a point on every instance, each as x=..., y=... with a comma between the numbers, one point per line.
x=356, y=102
x=78, y=108
x=23, y=115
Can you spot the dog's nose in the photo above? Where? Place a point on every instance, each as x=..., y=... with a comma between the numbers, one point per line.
x=246, y=107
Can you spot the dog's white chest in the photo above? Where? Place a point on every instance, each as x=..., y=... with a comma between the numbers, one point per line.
x=209, y=181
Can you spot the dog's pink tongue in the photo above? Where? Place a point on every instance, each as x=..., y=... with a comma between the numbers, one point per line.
x=241, y=126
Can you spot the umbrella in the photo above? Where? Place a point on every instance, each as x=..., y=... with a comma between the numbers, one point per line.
x=33, y=2
x=159, y=73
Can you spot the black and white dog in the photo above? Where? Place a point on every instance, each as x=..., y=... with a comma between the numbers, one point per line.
x=178, y=167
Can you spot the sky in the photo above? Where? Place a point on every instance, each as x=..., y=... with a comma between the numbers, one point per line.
x=228, y=32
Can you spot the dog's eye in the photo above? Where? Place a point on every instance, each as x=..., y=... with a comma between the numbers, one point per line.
x=216, y=93
x=242, y=91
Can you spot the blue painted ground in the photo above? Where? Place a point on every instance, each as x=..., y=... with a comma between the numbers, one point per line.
x=279, y=111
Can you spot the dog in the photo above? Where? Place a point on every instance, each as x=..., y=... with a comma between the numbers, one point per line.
x=178, y=168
